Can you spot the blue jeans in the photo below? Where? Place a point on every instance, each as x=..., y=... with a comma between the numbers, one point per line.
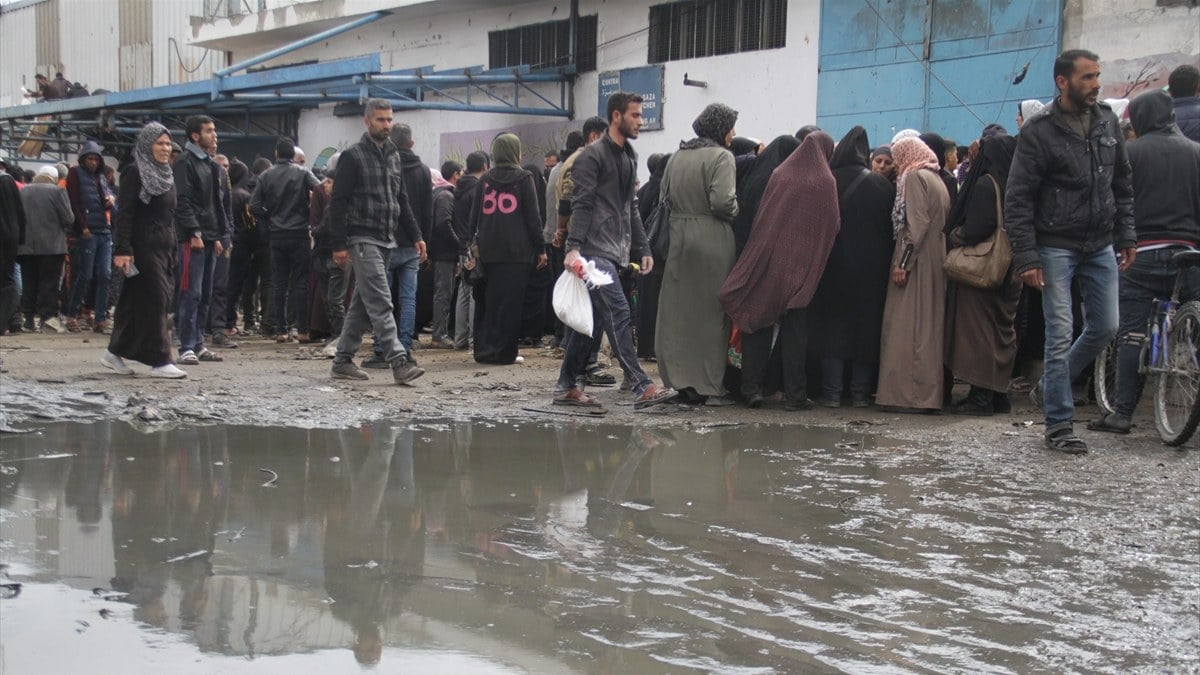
x=611, y=309
x=1066, y=361
x=402, y=269
x=193, y=300
x=1151, y=276
x=91, y=258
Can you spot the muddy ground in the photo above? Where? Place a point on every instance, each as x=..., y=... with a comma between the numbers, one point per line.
x=59, y=377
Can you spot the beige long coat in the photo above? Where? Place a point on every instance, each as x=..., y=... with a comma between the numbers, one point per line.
x=913, y=344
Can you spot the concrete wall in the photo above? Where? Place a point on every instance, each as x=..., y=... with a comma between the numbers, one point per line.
x=775, y=90
x=1139, y=43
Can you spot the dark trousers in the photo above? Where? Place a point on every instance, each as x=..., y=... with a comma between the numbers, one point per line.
x=533, y=319
x=221, y=297
x=239, y=272
x=499, y=320
x=610, y=311
x=289, y=266
x=8, y=284
x=756, y=352
x=1151, y=276
x=833, y=378
x=331, y=284
x=41, y=276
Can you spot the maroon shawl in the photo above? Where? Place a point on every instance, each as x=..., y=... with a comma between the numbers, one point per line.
x=789, y=244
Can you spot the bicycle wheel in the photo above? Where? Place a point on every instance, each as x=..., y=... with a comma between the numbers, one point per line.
x=1176, y=400
x=1104, y=378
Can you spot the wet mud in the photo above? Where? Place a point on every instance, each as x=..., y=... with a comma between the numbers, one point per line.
x=512, y=544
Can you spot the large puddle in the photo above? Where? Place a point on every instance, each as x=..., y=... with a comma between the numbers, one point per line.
x=504, y=547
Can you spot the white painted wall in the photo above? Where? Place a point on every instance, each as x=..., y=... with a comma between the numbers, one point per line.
x=18, y=58
x=774, y=90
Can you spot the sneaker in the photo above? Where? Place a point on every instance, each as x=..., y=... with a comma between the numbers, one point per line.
x=860, y=401
x=189, y=358
x=347, y=371
x=599, y=378
x=73, y=325
x=375, y=363
x=282, y=338
x=115, y=363
x=441, y=343
x=405, y=371
x=755, y=401
x=796, y=405
x=102, y=327
x=829, y=402
x=54, y=325
x=654, y=395
x=330, y=349
x=220, y=339
x=293, y=335
x=1065, y=440
x=519, y=359
x=168, y=371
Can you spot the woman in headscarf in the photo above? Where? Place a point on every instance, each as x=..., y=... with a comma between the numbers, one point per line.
x=649, y=285
x=980, y=338
x=883, y=164
x=938, y=145
x=691, y=338
x=911, y=353
x=751, y=186
x=509, y=231
x=1027, y=109
x=846, y=313
x=777, y=275
x=144, y=250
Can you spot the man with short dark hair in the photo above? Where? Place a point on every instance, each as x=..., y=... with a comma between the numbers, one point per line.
x=1184, y=87
x=464, y=198
x=368, y=211
x=1069, y=202
x=280, y=201
x=551, y=161
x=203, y=232
x=605, y=226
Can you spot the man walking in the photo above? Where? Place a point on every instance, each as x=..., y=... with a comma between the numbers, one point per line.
x=1069, y=201
x=1168, y=221
x=369, y=176
x=281, y=201
x=605, y=224
x=203, y=232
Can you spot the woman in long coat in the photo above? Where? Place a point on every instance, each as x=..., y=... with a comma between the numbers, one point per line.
x=846, y=314
x=911, y=354
x=692, y=333
x=980, y=335
x=145, y=242
x=777, y=274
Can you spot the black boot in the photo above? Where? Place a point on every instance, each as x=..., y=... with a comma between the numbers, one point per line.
x=978, y=403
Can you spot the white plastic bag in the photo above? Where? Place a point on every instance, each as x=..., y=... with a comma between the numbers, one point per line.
x=572, y=303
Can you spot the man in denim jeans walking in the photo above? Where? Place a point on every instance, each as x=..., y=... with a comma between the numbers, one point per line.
x=1069, y=202
x=605, y=225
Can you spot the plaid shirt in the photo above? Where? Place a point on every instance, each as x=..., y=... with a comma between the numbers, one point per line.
x=369, y=199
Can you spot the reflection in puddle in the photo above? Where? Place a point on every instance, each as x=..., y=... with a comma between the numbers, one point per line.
x=494, y=547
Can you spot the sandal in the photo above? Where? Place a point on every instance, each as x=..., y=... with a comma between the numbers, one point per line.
x=1065, y=440
x=189, y=358
x=209, y=355
x=653, y=396
x=577, y=398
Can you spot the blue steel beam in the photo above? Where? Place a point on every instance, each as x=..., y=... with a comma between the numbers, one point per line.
x=300, y=44
x=456, y=107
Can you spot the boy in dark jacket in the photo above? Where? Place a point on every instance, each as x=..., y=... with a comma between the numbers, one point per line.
x=93, y=203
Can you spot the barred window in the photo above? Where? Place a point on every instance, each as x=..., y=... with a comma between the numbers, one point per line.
x=694, y=28
x=544, y=45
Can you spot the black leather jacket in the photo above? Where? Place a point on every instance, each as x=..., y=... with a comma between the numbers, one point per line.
x=1066, y=190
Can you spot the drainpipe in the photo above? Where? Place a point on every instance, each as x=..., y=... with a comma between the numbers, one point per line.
x=573, y=48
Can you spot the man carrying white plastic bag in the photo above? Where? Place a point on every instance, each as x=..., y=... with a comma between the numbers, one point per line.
x=605, y=225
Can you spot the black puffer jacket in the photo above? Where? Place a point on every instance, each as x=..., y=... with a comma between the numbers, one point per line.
x=1166, y=173
x=418, y=182
x=443, y=245
x=1067, y=191
x=464, y=199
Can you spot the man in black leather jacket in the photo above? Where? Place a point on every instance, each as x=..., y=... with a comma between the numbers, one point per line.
x=1069, y=203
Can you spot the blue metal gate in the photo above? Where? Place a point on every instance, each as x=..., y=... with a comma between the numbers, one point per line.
x=950, y=66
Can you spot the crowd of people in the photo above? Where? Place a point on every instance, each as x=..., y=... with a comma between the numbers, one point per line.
x=770, y=262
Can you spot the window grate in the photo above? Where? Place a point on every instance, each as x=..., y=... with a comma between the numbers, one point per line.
x=691, y=29
x=544, y=45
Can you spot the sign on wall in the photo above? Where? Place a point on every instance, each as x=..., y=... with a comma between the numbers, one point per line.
x=647, y=81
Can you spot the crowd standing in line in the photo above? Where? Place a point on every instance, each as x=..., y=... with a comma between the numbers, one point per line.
x=796, y=268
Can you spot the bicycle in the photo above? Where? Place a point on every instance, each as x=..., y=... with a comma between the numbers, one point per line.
x=1170, y=355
